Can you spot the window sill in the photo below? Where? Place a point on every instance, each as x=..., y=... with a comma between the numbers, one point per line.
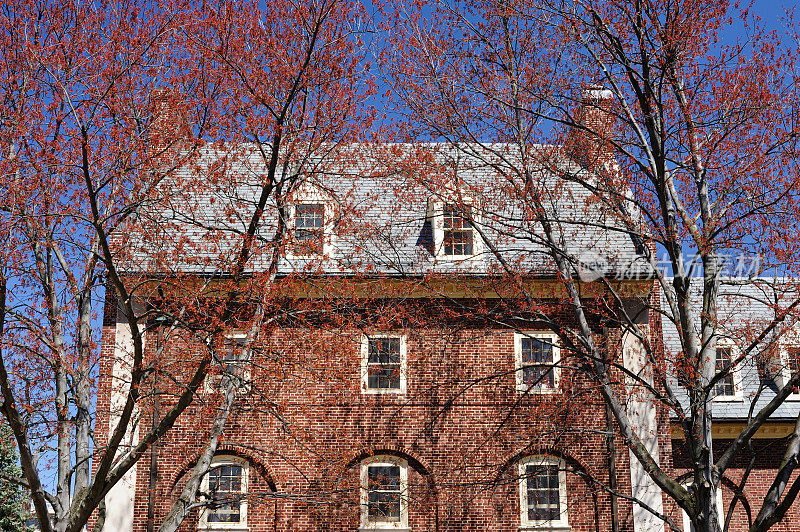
x=545, y=528
x=458, y=258
x=384, y=528
x=538, y=391
x=385, y=391
x=223, y=528
x=728, y=399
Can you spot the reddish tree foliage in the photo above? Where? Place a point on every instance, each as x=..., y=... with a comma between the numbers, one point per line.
x=689, y=143
x=155, y=156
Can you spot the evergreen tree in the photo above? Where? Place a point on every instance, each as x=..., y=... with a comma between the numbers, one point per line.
x=12, y=497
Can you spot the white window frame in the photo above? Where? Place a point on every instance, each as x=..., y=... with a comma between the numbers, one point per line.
x=365, y=389
x=559, y=525
x=790, y=340
x=393, y=526
x=436, y=215
x=241, y=526
x=518, y=365
x=735, y=372
x=687, y=523
x=311, y=195
x=212, y=380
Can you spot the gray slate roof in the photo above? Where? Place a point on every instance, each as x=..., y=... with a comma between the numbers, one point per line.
x=746, y=307
x=195, y=220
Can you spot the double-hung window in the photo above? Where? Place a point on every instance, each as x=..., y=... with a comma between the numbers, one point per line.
x=309, y=228
x=543, y=494
x=384, y=494
x=383, y=363
x=728, y=387
x=457, y=237
x=310, y=214
x=223, y=489
x=453, y=224
x=233, y=360
x=725, y=386
x=537, y=355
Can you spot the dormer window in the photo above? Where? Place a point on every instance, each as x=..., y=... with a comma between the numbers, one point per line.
x=793, y=364
x=729, y=387
x=457, y=237
x=724, y=387
x=454, y=234
x=309, y=228
x=310, y=218
x=789, y=364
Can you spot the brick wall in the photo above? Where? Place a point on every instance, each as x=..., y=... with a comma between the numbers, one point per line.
x=766, y=454
x=305, y=426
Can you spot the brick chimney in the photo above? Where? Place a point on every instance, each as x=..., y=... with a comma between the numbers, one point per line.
x=169, y=126
x=590, y=144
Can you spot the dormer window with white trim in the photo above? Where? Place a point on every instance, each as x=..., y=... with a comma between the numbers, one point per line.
x=310, y=218
x=454, y=235
x=309, y=228
x=457, y=237
x=728, y=388
x=792, y=366
x=789, y=364
x=223, y=491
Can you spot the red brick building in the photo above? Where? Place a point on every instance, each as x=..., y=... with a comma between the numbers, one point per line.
x=399, y=379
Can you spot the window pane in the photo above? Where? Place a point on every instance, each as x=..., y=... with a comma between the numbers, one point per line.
x=794, y=359
x=457, y=230
x=537, y=357
x=543, y=492
x=225, y=490
x=383, y=364
x=309, y=221
x=384, y=477
x=233, y=352
x=724, y=387
x=383, y=492
x=384, y=350
x=452, y=217
x=383, y=376
x=537, y=350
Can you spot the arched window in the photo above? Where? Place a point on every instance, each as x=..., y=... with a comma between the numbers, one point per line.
x=543, y=494
x=384, y=494
x=224, y=489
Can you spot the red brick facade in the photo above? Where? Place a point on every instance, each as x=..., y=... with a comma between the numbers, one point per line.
x=462, y=426
x=304, y=427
